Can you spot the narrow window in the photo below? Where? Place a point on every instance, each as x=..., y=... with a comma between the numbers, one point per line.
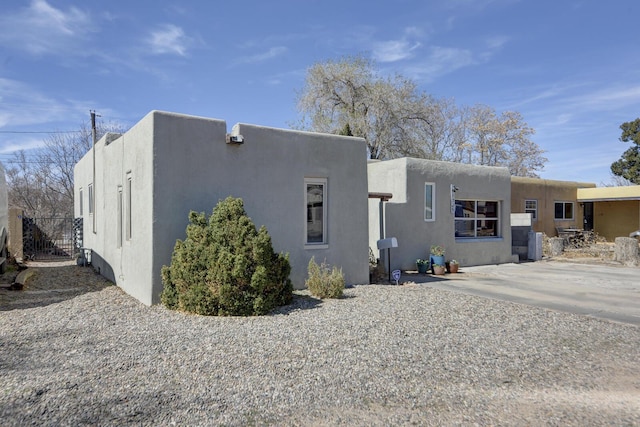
x=90, y=199
x=119, y=219
x=81, y=201
x=531, y=206
x=128, y=224
x=429, y=201
x=316, y=211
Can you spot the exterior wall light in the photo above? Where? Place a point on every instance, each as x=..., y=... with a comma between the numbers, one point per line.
x=234, y=139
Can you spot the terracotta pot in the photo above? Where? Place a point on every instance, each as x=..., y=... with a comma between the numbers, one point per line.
x=438, y=271
x=454, y=267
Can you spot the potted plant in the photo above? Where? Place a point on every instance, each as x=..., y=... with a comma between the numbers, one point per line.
x=453, y=266
x=437, y=255
x=438, y=269
x=423, y=265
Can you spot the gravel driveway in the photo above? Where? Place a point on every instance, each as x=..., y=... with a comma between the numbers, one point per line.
x=75, y=350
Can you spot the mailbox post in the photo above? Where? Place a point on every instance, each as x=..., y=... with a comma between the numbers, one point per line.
x=387, y=244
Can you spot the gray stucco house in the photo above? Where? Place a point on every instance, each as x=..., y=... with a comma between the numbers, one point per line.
x=464, y=208
x=134, y=192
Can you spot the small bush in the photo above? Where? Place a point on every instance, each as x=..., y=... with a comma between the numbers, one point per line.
x=226, y=267
x=324, y=283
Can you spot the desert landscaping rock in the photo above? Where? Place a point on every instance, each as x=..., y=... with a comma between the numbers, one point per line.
x=75, y=350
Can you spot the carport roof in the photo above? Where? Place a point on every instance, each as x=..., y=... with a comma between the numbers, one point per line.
x=603, y=194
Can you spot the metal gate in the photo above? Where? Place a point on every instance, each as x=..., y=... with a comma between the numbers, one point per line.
x=49, y=238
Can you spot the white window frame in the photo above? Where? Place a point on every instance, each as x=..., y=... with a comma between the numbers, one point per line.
x=532, y=210
x=432, y=208
x=564, y=204
x=475, y=218
x=91, y=199
x=81, y=207
x=120, y=228
x=325, y=241
x=128, y=208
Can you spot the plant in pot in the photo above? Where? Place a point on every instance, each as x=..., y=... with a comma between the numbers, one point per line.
x=438, y=269
x=423, y=265
x=453, y=266
x=436, y=255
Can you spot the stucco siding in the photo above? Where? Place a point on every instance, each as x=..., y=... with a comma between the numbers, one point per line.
x=616, y=218
x=546, y=192
x=178, y=163
x=405, y=220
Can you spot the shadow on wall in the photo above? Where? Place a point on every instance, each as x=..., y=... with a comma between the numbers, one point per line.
x=102, y=267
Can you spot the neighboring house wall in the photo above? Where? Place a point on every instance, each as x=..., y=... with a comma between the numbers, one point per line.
x=616, y=210
x=176, y=163
x=544, y=196
x=405, y=213
x=616, y=219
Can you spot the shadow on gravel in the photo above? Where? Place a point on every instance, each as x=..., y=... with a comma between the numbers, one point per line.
x=51, y=285
x=300, y=302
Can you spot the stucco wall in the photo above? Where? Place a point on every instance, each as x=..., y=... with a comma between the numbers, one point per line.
x=547, y=192
x=404, y=214
x=616, y=218
x=181, y=163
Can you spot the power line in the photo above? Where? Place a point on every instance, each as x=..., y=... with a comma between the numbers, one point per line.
x=38, y=131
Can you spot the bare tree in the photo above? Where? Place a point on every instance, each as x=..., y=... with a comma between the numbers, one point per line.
x=396, y=119
x=503, y=141
x=40, y=181
x=347, y=94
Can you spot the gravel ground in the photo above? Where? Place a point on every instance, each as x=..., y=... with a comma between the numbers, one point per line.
x=75, y=350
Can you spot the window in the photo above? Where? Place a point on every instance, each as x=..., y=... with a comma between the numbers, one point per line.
x=90, y=199
x=128, y=224
x=120, y=213
x=80, y=208
x=477, y=219
x=316, y=211
x=429, y=201
x=531, y=206
x=563, y=210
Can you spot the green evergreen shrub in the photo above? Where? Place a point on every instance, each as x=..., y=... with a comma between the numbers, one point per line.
x=324, y=282
x=226, y=267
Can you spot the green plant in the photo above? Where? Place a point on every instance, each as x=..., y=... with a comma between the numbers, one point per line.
x=324, y=282
x=422, y=261
x=373, y=261
x=437, y=250
x=225, y=266
x=438, y=266
x=454, y=262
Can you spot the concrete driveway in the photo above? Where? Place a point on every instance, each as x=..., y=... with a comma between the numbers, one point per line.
x=605, y=291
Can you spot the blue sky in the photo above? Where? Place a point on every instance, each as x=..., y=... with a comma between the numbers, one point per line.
x=571, y=68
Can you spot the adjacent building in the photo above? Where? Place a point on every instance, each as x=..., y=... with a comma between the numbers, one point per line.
x=463, y=207
x=553, y=205
x=134, y=192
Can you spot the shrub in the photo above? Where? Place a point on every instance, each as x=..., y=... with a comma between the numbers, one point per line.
x=225, y=266
x=324, y=283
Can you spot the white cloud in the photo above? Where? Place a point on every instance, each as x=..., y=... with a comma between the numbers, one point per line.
x=169, y=39
x=394, y=50
x=264, y=56
x=440, y=61
x=397, y=50
x=44, y=29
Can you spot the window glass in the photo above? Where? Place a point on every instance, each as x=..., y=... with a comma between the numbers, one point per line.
x=429, y=206
x=477, y=218
x=563, y=210
x=316, y=227
x=81, y=207
x=90, y=198
x=531, y=207
x=128, y=217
